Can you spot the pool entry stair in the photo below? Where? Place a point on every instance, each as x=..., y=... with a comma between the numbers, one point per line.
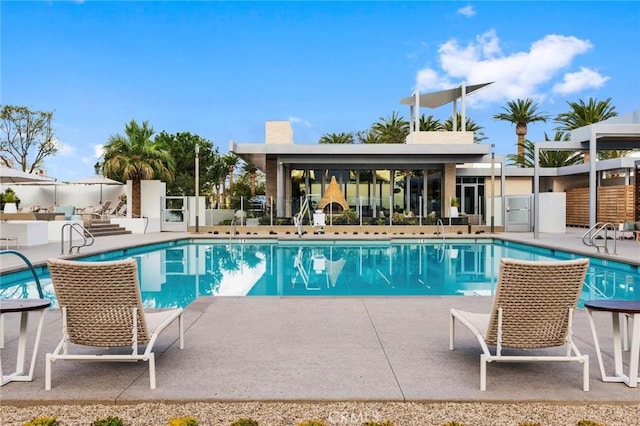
x=102, y=227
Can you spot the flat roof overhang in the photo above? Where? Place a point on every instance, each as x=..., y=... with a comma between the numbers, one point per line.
x=361, y=154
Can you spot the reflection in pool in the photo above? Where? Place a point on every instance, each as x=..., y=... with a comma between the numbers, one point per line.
x=175, y=274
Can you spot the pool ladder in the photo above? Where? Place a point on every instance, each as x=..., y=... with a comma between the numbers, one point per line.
x=78, y=229
x=601, y=229
x=440, y=228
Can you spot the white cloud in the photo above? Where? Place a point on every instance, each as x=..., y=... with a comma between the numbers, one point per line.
x=64, y=150
x=576, y=81
x=467, y=11
x=516, y=75
x=297, y=120
x=98, y=150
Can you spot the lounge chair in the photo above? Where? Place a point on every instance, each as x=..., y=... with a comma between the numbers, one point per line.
x=626, y=230
x=532, y=309
x=101, y=307
x=118, y=210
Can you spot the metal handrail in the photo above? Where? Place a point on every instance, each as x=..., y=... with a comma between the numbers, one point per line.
x=30, y=266
x=80, y=230
x=440, y=228
x=589, y=238
x=232, y=229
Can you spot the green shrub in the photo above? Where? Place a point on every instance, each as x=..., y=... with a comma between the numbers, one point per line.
x=108, y=421
x=248, y=421
x=374, y=423
x=183, y=421
x=43, y=421
x=589, y=423
x=312, y=423
x=453, y=423
x=348, y=217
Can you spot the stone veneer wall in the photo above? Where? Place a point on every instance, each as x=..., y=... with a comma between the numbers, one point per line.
x=278, y=132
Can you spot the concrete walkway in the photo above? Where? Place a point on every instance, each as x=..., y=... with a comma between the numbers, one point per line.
x=316, y=349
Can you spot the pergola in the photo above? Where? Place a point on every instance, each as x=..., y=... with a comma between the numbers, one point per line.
x=437, y=99
x=617, y=133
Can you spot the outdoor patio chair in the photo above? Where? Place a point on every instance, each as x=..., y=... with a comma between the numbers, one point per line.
x=101, y=307
x=626, y=230
x=532, y=309
x=118, y=210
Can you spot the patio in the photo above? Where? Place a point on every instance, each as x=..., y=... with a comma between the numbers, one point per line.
x=319, y=350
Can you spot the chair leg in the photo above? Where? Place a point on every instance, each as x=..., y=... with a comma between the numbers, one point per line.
x=452, y=327
x=152, y=370
x=47, y=372
x=585, y=373
x=181, y=326
x=483, y=372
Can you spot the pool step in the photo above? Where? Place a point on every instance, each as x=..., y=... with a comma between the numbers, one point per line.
x=101, y=228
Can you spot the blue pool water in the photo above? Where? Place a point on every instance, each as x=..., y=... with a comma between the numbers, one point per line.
x=175, y=274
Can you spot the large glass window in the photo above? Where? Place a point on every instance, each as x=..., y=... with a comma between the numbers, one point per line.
x=380, y=192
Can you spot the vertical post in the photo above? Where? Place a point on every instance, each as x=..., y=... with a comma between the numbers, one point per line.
x=536, y=191
x=493, y=187
x=197, y=188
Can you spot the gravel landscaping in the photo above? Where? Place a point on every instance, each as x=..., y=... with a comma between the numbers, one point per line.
x=336, y=413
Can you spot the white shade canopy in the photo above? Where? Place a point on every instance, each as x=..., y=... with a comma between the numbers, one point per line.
x=9, y=175
x=443, y=97
x=97, y=180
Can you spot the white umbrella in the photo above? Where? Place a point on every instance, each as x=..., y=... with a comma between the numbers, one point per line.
x=9, y=175
x=53, y=183
x=97, y=180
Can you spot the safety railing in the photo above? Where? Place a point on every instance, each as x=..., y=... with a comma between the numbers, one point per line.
x=31, y=268
x=598, y=236
x=440, y=228
x=86, y=237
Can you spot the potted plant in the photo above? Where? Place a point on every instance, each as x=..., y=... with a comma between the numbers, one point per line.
x=453, y=210
x=10, y=201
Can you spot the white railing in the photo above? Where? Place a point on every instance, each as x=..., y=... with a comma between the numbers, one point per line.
x=598, y=236
x=79, y=230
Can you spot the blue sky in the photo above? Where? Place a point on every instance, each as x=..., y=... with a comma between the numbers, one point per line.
x=221, y=69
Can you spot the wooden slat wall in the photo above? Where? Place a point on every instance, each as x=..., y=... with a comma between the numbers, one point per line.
x=578, y=207
x=615, y=204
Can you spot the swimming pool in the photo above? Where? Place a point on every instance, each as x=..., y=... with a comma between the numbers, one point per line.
x=175, y=274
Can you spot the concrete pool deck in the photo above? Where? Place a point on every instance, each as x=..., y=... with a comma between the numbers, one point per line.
x=317, y=350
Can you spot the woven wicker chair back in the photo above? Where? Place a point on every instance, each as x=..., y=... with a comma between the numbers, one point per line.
x=536, y=299
x=99, y=298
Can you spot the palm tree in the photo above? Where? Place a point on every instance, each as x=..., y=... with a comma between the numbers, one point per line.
x=430, y=124
x=216, y=174
x=341, y=138
x=252, y=171
x=231, y=160
x=613, y=153
x=582, y=114
x=547, y=158
x=136, y=157
x=521, y=113
x=393, y=129
x=367, y=136
x=470, y=126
